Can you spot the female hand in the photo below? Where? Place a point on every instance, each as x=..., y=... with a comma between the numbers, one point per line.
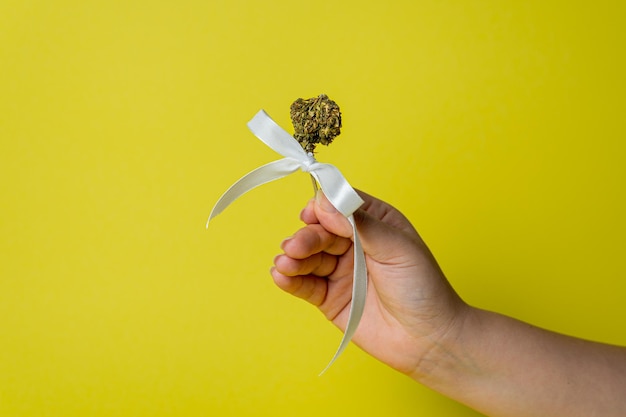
x=410, y=306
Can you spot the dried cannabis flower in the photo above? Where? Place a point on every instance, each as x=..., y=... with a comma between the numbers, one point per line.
x=315, y=120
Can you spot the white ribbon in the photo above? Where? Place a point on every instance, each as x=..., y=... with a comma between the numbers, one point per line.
x=336, y=188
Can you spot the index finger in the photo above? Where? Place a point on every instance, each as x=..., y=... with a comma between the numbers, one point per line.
x=312, y=239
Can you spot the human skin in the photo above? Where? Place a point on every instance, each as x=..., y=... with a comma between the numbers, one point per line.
x=416, y=323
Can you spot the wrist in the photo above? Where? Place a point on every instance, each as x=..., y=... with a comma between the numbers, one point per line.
x=447, y=357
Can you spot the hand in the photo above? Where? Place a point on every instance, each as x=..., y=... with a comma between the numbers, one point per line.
x=416, y=323
x=410, y=306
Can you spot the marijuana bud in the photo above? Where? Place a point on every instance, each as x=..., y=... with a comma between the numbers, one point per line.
x=315, y=120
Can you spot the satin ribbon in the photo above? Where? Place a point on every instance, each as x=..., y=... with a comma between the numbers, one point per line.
x=336, y=188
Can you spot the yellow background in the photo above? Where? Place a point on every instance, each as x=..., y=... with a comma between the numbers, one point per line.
x=497, y=126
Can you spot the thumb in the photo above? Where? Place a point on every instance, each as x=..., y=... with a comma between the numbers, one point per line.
x=330, y=218
x=381, y=241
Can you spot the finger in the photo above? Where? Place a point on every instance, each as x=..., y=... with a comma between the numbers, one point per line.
x=313, y=239
x=309, y=288
x=320, y=264
x=307, y=215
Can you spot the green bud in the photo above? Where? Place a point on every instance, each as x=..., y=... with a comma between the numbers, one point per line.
x=315, y=120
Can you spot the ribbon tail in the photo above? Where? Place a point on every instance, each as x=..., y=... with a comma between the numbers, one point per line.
x=359, y=294
x=262, y=175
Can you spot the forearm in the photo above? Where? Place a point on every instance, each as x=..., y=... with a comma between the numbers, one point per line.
x=507, y=368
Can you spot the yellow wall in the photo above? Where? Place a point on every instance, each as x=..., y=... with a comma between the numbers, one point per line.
x=497, y=127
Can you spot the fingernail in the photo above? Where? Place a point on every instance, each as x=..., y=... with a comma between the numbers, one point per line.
x=323, y=202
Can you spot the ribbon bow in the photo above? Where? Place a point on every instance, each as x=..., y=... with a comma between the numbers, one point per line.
x=336, y=188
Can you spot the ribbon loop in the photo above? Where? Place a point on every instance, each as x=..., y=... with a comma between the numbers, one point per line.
x=336, y=188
